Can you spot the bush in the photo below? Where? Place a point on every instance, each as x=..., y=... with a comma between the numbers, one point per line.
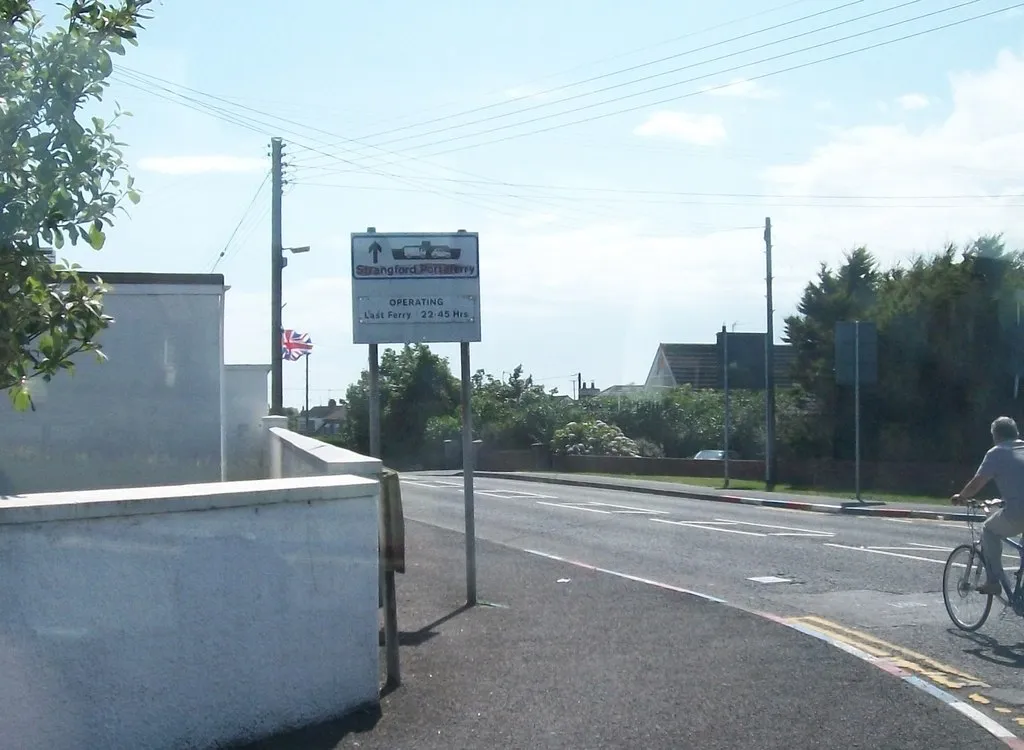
x=594, y=438
x=649, y=448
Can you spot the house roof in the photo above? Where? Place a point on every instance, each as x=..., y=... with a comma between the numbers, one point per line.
x=700, y=365
x=623, y=390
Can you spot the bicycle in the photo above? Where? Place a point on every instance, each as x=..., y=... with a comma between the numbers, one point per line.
x=965, y=588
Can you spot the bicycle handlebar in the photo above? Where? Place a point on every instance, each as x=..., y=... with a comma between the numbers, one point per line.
x=983, y=504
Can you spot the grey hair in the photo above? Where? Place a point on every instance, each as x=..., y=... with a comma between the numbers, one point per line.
x=1004, y=428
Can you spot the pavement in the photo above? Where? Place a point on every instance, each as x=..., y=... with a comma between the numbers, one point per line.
x=565, y=656
x=787, y=500
x=873, y=583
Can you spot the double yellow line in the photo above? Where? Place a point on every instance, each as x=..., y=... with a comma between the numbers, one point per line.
x=902, y=657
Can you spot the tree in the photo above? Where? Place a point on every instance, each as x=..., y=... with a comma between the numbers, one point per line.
x=416, y=386
x=846, y=293
x=60, y=180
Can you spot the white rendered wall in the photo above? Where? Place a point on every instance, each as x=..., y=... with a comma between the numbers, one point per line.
x=189, y=616
x=245, y=407
x=149, y=415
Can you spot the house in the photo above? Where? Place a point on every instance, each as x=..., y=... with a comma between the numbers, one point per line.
x=324, y=420
x=700, y=365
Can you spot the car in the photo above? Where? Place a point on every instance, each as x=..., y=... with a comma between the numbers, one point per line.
x=716, y=455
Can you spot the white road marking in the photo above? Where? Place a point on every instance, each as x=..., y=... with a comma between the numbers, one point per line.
x=696, y=525
x=513, y=494
x=796, y=531
x=575, y=507
x=769, y=579
x=883, y=552
x=595, y=507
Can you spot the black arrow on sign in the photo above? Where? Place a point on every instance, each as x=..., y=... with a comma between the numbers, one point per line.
x=375, y=251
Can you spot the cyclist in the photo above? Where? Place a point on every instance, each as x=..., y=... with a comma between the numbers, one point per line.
x=1003, y=464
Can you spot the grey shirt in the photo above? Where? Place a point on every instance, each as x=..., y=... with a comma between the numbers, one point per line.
x=1004, y=464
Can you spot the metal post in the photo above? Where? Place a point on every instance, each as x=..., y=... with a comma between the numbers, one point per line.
x=307, y=393
x=725, y=388
x=769, y=366
x=388, y=594
x=467, y=474
x=374, y=403
x=856, y=405
x=276, y=267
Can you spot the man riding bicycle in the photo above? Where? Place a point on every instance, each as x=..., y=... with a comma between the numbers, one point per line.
x=1003, y=464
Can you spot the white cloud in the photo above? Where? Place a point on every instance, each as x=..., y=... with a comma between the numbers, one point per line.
x=208, y=164
x=976, y=151
x=698, y=129
x=744, y=89
x=913, y=101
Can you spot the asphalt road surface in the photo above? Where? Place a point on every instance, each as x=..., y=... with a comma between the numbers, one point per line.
x=872, y=582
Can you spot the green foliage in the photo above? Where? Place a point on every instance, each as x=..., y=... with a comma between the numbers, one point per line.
x=683, y=421
x=949, y=348
x=60, y=180
x=416, y=387
x=592, y=438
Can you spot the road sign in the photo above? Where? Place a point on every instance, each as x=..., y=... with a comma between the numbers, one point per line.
x=847, y=347
x=412, y=288
x=746, y=360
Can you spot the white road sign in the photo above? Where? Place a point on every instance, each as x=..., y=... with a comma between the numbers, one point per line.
x=415, y=288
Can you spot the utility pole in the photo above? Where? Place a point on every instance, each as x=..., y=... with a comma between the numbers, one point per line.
x=770, y=465
x=276, y=267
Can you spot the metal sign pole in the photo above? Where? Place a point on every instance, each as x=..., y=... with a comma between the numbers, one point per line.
x=388, y=593
x=467, y=474
x=725, y=388
x=856, y=405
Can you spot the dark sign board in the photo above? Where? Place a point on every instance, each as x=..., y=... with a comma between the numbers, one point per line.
x=746, y=360
x=847, y=345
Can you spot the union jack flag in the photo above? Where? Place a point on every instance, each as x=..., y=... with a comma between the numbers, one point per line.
x=295, y=345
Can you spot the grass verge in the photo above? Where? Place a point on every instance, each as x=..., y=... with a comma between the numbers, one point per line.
x=747, y=484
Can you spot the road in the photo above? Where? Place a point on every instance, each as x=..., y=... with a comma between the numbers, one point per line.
x=873, y=582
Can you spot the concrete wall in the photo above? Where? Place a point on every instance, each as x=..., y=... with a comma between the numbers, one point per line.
x=187, y=616
x=149, y=415
x=245, y=406
x=295, y=455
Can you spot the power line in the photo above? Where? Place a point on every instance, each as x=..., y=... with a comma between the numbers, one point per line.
x=696, y=194
x=245, y=213
x=634, y=81
x=668, y=100
x=766, y=201
x=603, y=76
x=675, y=84
x=245, y=121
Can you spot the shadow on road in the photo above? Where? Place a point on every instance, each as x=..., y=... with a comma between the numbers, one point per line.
x=424, y=634
x=991, y=650
x=325, y=736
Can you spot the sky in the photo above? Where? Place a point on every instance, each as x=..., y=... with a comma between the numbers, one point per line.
x=671, y=130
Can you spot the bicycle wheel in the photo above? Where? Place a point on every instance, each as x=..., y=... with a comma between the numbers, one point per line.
x=964, y=570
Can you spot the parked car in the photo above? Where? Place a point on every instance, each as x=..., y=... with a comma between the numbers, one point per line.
x=710, y=455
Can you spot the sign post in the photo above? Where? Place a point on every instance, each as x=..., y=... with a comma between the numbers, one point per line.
x=856, y=364
x=725, y=389
x=417, y=288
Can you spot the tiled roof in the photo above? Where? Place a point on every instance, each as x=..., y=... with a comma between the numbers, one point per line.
x=700, y=364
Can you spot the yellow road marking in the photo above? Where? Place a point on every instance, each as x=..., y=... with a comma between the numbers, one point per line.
x=1000, y=709
x=979, y=699
x=906, y=658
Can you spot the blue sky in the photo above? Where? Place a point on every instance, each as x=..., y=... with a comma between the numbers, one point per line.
x=598, y=239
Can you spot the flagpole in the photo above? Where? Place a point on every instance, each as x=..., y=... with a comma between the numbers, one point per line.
x=307, y=392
